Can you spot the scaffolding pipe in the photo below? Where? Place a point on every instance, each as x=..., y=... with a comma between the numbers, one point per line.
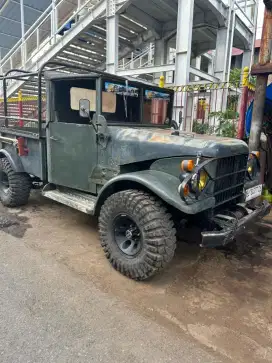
x=23, y=46
x=261, y=83
x=22, y=19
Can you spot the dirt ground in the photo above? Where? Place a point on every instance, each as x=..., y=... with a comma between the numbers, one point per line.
x=220, y=298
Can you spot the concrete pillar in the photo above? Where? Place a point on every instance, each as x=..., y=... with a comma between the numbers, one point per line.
x=160, y=57
x=131, y=66
x=150, y=54
x=183, y=59
x=224, y=44
x=211, y=67
x=184, y=41
x=112, y=37
x=246, y=61
x=197, y=66
x=221, y=54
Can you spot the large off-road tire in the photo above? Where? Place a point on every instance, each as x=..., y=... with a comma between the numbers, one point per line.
x=14, y=187
x=137, y=234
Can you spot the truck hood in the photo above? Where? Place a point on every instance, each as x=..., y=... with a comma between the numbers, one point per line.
x=129, y=145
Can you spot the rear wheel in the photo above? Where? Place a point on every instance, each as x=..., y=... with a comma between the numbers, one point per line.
x=137, y=234
x=14, y=187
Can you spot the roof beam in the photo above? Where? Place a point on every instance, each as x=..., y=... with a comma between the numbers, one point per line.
x=204, y=75
x=170, y=6
x=219, y=9
x=145, y=19
x=9, y=35
x=144, y=37
x=27, y=6
x=12, y=20
x=146, y=70
x=243, y=33
x=123, y=5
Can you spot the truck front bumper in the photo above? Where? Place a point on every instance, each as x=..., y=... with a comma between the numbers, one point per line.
x=228, y=233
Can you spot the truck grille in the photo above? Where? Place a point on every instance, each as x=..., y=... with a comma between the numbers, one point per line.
x=230, y=178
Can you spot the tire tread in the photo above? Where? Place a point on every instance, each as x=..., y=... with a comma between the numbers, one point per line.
x=19, y=186
x=156, y=225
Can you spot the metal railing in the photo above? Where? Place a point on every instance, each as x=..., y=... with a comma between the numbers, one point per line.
x=44, y=33
x=210, y=108
x=146, y=57
x=247, y=10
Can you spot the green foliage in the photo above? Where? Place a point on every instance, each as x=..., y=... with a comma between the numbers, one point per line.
x=233, y=101
x=235, y=77
x=200, y=128
x=227, y=123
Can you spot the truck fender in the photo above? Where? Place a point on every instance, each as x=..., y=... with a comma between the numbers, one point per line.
x=13, y=158
x=165, y=186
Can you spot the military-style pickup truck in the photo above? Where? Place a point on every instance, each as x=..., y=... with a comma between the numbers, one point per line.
x=107, y=148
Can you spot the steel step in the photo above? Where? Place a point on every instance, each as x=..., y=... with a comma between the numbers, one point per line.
x=78, y=200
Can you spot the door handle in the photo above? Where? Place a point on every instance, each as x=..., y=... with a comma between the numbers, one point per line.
x=54, y=138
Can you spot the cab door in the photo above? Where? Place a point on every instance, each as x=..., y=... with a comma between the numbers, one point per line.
x=71, y=139
x=72, y=155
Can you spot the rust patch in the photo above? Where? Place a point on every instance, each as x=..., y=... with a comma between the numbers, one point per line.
x=161, y=139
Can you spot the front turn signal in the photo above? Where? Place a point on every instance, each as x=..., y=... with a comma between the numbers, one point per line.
x=187, y=165
x=184, y=190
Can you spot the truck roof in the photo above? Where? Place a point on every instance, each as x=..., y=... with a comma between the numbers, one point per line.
x=57, y=75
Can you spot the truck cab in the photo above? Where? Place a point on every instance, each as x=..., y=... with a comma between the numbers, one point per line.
x=110, y=148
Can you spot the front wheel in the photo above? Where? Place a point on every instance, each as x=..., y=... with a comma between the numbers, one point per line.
x=14, y=187
x=137, y=234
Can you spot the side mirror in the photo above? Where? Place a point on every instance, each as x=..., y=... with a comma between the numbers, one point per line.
x=84, y=108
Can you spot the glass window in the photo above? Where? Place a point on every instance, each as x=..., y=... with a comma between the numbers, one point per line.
x=127, y=102
x=65, y=105
x=156, y=107
x=77, y=94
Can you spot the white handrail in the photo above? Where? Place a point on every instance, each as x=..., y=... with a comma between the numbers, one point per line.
x=243, y=11
x=47, y=13
x=139, y=56
x=34, y=25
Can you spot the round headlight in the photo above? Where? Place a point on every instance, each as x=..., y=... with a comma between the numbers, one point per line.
x=203, y=180
x=253, y=167
x=199, y=181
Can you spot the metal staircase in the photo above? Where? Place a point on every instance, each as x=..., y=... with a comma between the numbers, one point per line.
x=65, y=33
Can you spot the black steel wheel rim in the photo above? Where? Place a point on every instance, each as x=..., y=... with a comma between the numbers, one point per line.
x=4, y=182
x=127, y=235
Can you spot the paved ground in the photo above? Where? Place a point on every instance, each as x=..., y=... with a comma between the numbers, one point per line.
x=60, y=301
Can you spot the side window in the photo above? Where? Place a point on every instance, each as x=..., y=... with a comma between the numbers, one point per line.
x=66, y=99
x=108, y=99
x=156, y=107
